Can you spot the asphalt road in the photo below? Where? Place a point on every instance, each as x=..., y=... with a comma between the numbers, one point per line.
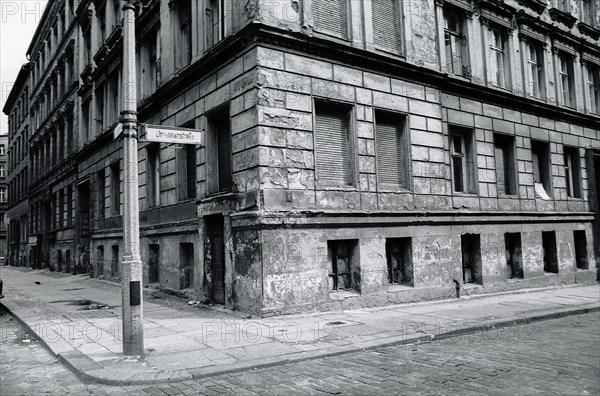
x=560, y=356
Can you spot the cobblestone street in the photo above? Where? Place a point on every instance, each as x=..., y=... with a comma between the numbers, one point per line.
x=560, y=356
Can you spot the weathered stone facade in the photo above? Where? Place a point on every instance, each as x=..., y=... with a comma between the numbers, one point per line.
x=341, y=166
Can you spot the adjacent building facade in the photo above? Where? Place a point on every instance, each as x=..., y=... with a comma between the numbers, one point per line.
x=354, y=153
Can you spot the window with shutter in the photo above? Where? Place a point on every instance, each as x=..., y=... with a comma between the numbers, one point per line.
x=386, y=24
x=333, y=145
x=331, y=16
x=392, y=151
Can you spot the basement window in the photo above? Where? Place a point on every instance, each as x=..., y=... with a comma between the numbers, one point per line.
x=550, y=254
x=514, y=255
x=581, y=257
x=344, y=273
x=399, y=261
x=471, y=258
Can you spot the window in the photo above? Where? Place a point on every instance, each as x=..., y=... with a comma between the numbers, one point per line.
x=186, y=172
x=588, y=12
x=386, y=25
x=220, y=154
x=153, y=174
x=392, y=150
x=115, y=189
x=331, y=17
x=2, y=171
x=573, y=171
x=540, y=153
x=99, y=115
x=593, y=87
x=186, y=265
x=504, y=151
x=153, y=263
x=113, y=89
x=101, y=183
x=114, y=263
x=87, y=47
x=514, y=255
x=344, y=273
x=216, y=22
x=498, y=58
x=471, y=258
x=183, y=40
x=567, y=86
x=455, y=39
x=534, y=70
x=85, y=122
x=334, y=154
x=550, y=256
x=70, y=205
x=463, y=163
x=101, y=15
x=399, y=260
x=2, y=149
x=99, y=260
x=149, y=64
x=581, y=257
x=3, y=196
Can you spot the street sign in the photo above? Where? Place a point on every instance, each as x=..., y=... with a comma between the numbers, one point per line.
x=164, y=134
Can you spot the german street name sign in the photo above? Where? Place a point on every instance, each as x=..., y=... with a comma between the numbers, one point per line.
x=163, y=134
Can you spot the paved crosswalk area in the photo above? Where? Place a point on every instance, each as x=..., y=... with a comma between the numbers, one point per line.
x=559, y=356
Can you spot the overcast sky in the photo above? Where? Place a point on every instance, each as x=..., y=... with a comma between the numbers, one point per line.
x=18, y=21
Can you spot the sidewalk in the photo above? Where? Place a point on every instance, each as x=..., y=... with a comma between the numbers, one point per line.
x=78, y=319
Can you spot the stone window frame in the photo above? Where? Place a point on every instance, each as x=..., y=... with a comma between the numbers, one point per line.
x=212, y=157
x=469, y=166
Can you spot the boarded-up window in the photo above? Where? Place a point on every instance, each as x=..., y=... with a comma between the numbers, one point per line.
x=386, y=24
x=333, y=147
x=505, y=164
x=331, y=16
x=344, y=273
x=392, y=150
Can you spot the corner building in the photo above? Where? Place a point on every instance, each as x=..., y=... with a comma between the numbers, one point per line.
x=355, y=153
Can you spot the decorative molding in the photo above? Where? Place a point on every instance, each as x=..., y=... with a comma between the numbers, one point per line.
x=563, y=17
x=537, y=5
x=588, y=30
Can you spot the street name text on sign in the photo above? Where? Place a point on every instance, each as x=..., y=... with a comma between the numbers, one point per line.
x=163, y=134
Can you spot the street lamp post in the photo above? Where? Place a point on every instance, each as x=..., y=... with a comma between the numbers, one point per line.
x=131, y=277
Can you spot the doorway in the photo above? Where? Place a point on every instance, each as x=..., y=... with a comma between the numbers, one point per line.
x=215, y=258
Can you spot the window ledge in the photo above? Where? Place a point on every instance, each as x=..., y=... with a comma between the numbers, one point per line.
x=471, y=286
x=400, y=287
x=337, y=188
x=343, y=294
x=466, y=195
x=508, y=196
x=550, y=273
x=391, y=190
x=589, y=30
x=563, y=17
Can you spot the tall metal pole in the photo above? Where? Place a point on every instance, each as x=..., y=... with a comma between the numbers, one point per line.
x=131, y=283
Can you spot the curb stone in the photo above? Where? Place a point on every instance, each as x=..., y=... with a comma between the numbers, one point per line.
x=75, y=360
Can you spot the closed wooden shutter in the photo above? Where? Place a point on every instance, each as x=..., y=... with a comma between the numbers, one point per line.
x=501, y=182
x=392, y=156
x=332, y=146
x=331, y=16
x=386, y=24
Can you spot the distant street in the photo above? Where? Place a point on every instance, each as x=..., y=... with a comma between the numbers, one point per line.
x=560, y=356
